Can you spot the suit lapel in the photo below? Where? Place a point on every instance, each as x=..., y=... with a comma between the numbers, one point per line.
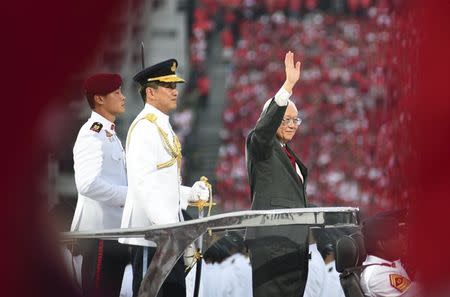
x=287, y=163
x=302, y=167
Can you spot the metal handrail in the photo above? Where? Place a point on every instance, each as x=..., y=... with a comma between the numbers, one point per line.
x=186, y=232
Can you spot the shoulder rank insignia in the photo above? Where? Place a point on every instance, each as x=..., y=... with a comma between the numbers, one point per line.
x=96, y=127
x=151, y=117
x=108, y=134
x=399, y=282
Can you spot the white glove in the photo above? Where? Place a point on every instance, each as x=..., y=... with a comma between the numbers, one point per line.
x=199, y=191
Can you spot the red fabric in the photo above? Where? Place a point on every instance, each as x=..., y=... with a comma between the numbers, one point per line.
x=227, y=38
x=203, y=85
x=427, y=174
x=98, y=270
x=290, y=156
x=102, y=83
x=365, y=3
x=230, y=17
x=270, y=6
x=353, y=5
x=48, y=49
x=311, y=4
x=294, y=5
x=281, y=4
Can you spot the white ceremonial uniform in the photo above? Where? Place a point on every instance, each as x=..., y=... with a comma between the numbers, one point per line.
x=210, y=279
x=316, y=273
x=237, y=276
x=332, y=285
x=155, y=195
x=190, y=281
x=230, y=278
x=127, y=282
x=100, y=176
x=385, y=280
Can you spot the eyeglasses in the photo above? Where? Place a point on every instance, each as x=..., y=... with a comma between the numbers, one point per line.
x=296, y=121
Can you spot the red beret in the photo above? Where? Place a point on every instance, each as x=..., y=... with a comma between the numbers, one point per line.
x=102, y=83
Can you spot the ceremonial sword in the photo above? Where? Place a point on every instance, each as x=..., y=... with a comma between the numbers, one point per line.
x=200, y=204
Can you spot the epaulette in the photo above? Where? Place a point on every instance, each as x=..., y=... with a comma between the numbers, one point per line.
x=172, y=148
x=151, y=117
x=96, y=127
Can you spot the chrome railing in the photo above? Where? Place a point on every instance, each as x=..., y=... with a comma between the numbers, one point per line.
x=172, y=239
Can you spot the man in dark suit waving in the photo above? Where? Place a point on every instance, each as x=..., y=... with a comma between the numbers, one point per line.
x=277, y=180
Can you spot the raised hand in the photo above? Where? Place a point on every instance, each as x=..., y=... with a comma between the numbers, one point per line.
x=292, y=71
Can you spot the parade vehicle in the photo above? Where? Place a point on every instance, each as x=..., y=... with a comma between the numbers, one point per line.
x=172, y=240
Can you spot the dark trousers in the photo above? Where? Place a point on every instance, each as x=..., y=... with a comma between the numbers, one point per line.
x=103, y=266
x=279, y=268
x=173, y=286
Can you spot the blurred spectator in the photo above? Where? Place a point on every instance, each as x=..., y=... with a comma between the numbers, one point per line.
x=203, y=88
x=227, y=43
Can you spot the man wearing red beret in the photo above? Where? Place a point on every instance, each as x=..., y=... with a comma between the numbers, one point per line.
x=101, y=181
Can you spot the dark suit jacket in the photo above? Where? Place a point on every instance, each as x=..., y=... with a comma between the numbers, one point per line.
x=279, y=253
x=273, y=180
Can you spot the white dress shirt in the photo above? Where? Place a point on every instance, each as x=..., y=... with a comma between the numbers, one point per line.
x=155, y=196
x=297, y=169
x=100, y=176
x=384, y=280
x=237, y=273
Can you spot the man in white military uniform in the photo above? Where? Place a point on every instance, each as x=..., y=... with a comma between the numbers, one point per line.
x=385, y=245
x=101, y=181
x=332, y=285
x=326, y=244
x=227, y=271
x=155, y=194
x=316, y=269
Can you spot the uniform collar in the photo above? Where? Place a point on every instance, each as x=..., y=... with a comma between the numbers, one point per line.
x=374, y=259
x=107, y=125
x=148, y=108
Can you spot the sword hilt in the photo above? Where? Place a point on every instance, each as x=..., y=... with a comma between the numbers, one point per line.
x=200, y=204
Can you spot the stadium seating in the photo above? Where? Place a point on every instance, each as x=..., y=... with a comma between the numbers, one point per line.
x=343, y=97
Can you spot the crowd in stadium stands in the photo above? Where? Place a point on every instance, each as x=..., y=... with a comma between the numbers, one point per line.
x=346, y=135
x=197, y=89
